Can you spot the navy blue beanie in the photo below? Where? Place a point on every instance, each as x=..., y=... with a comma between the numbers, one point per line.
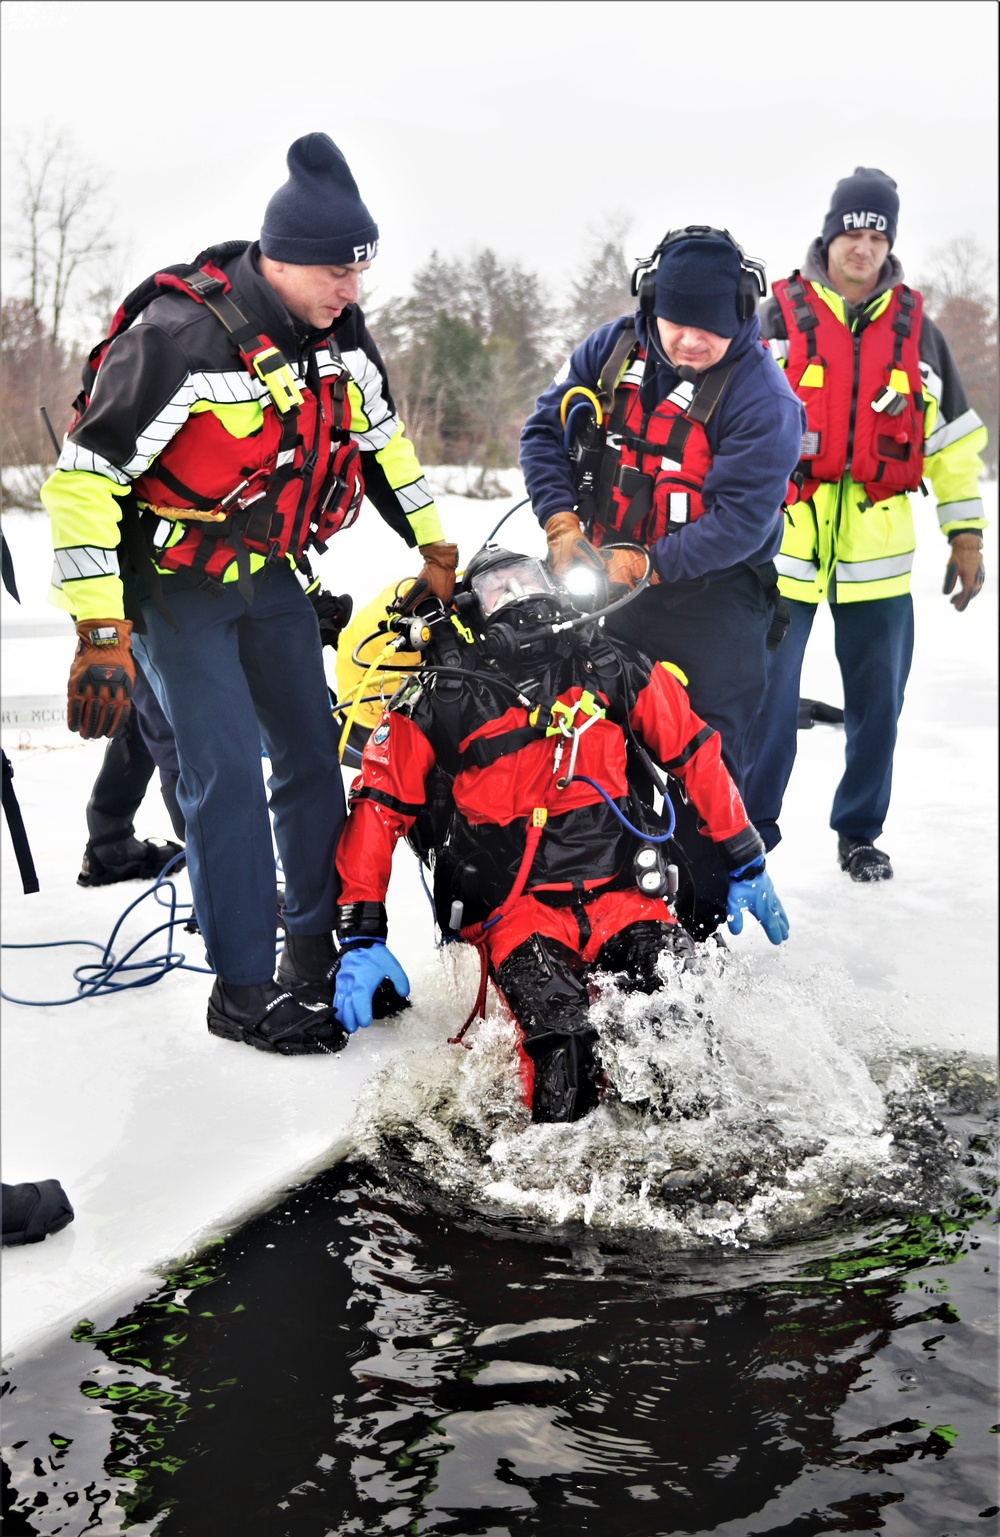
x=866, y=200
x=696, y=285
x=317, y=218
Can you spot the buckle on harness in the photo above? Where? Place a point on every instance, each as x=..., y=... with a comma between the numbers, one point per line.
x=278, y=378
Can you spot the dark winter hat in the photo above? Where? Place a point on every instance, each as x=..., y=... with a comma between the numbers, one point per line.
x=696, y=284
x=866, y=200
x=317, y=218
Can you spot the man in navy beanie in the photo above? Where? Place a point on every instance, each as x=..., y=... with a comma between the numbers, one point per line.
x=239, y=425
x=886, y=410
x=673, y=428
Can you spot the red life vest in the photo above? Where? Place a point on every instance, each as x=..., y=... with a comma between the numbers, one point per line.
x=654, y=463
x=293, y=483
x=862, y=391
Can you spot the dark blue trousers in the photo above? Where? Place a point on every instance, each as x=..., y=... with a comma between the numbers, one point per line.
x=717, y=634
x=874, y=646
x=234, y=677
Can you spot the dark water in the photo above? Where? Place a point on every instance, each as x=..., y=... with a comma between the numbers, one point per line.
x=374, y=1358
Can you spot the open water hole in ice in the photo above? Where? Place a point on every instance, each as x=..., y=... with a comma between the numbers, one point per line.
x=754, y=1293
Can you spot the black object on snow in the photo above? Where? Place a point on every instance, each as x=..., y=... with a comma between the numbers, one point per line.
x=813, y=710
x=32, y=1212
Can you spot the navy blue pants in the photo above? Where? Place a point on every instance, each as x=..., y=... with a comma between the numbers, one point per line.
x=232, y=678
x=874, y=646
x=716, y=633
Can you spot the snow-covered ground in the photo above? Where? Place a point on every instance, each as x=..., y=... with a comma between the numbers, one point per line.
x=164, y=1136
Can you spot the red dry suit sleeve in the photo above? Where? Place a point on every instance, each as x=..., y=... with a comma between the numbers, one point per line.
x=384, y=802
x=690, y=751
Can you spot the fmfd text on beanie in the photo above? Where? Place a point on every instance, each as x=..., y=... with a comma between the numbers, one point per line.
x=696, y=285
x=866, y=200
x=317, y=218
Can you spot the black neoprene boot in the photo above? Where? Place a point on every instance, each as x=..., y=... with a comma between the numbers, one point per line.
x=32, y=1212
x=115, y=858
x=550, y=1003
x=307, y=964
x=633, y=953
x=271, y=1018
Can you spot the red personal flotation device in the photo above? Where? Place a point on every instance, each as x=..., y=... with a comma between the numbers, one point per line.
x=293, y=484
x=862, y=391
x=654, y=463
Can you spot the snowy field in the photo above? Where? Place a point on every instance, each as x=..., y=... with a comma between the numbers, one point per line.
x=164, y=1136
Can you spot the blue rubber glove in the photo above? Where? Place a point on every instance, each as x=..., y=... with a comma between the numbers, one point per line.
x=752, y=888
x=360, y=971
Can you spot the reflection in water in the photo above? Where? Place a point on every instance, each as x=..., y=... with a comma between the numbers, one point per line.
x=376, y=1357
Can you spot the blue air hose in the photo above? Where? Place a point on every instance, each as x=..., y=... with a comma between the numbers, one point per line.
x=99, y=979
x=637, y=832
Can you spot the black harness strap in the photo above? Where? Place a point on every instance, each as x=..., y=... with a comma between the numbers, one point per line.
x=698, y=740
x=18, y=836
x=404, y=808
x=484, y=751
x=805, y=317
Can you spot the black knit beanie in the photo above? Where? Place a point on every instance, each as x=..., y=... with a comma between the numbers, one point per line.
x=317, y=218
x=696, y=284
x=866, y=200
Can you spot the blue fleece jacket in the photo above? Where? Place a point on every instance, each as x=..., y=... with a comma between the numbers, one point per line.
x=755, y=434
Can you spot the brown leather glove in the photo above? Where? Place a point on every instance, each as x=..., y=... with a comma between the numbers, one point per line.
x=436, y=577
x=626, y=568
x=101, y=677
x=569, y=545
x=965, y=565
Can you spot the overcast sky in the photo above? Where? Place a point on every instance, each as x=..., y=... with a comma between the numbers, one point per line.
x=521, y=126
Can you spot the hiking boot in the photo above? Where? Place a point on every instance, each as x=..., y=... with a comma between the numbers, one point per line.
x=567, y=1077
x=110, y=859
x=307, y=965
x=862, y=861
x=272, y=1018
x=32, y=1212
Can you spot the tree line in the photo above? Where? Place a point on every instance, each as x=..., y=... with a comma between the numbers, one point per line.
x=468, y=348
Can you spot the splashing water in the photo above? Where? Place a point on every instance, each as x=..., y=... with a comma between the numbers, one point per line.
x=743, y=1104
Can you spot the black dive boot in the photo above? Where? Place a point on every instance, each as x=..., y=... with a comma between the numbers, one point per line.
x=550, y=1003
x=272, y=1018
x=633, y=953
x=307, y=965
x=116, y=858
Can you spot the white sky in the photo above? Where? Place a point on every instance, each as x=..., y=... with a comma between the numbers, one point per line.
x=521, y=126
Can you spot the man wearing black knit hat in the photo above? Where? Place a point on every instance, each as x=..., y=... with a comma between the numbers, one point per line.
x=886, y=409
x=238, y=416
x=673, y=428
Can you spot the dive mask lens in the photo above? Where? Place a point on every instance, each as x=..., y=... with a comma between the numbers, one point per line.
x=503, y=584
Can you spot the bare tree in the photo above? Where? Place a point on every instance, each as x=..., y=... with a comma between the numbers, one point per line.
x=599, y=289
x=61, y=231
x=960, y=295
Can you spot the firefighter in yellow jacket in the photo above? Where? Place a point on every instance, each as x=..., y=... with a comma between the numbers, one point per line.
x=885, y=408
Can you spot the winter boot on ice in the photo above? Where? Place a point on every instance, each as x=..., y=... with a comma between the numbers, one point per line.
x=32, y=1212
x=271, y=1018
x=862, y=861
x=116, y=858
x=307, y=964
x=550, y=1002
